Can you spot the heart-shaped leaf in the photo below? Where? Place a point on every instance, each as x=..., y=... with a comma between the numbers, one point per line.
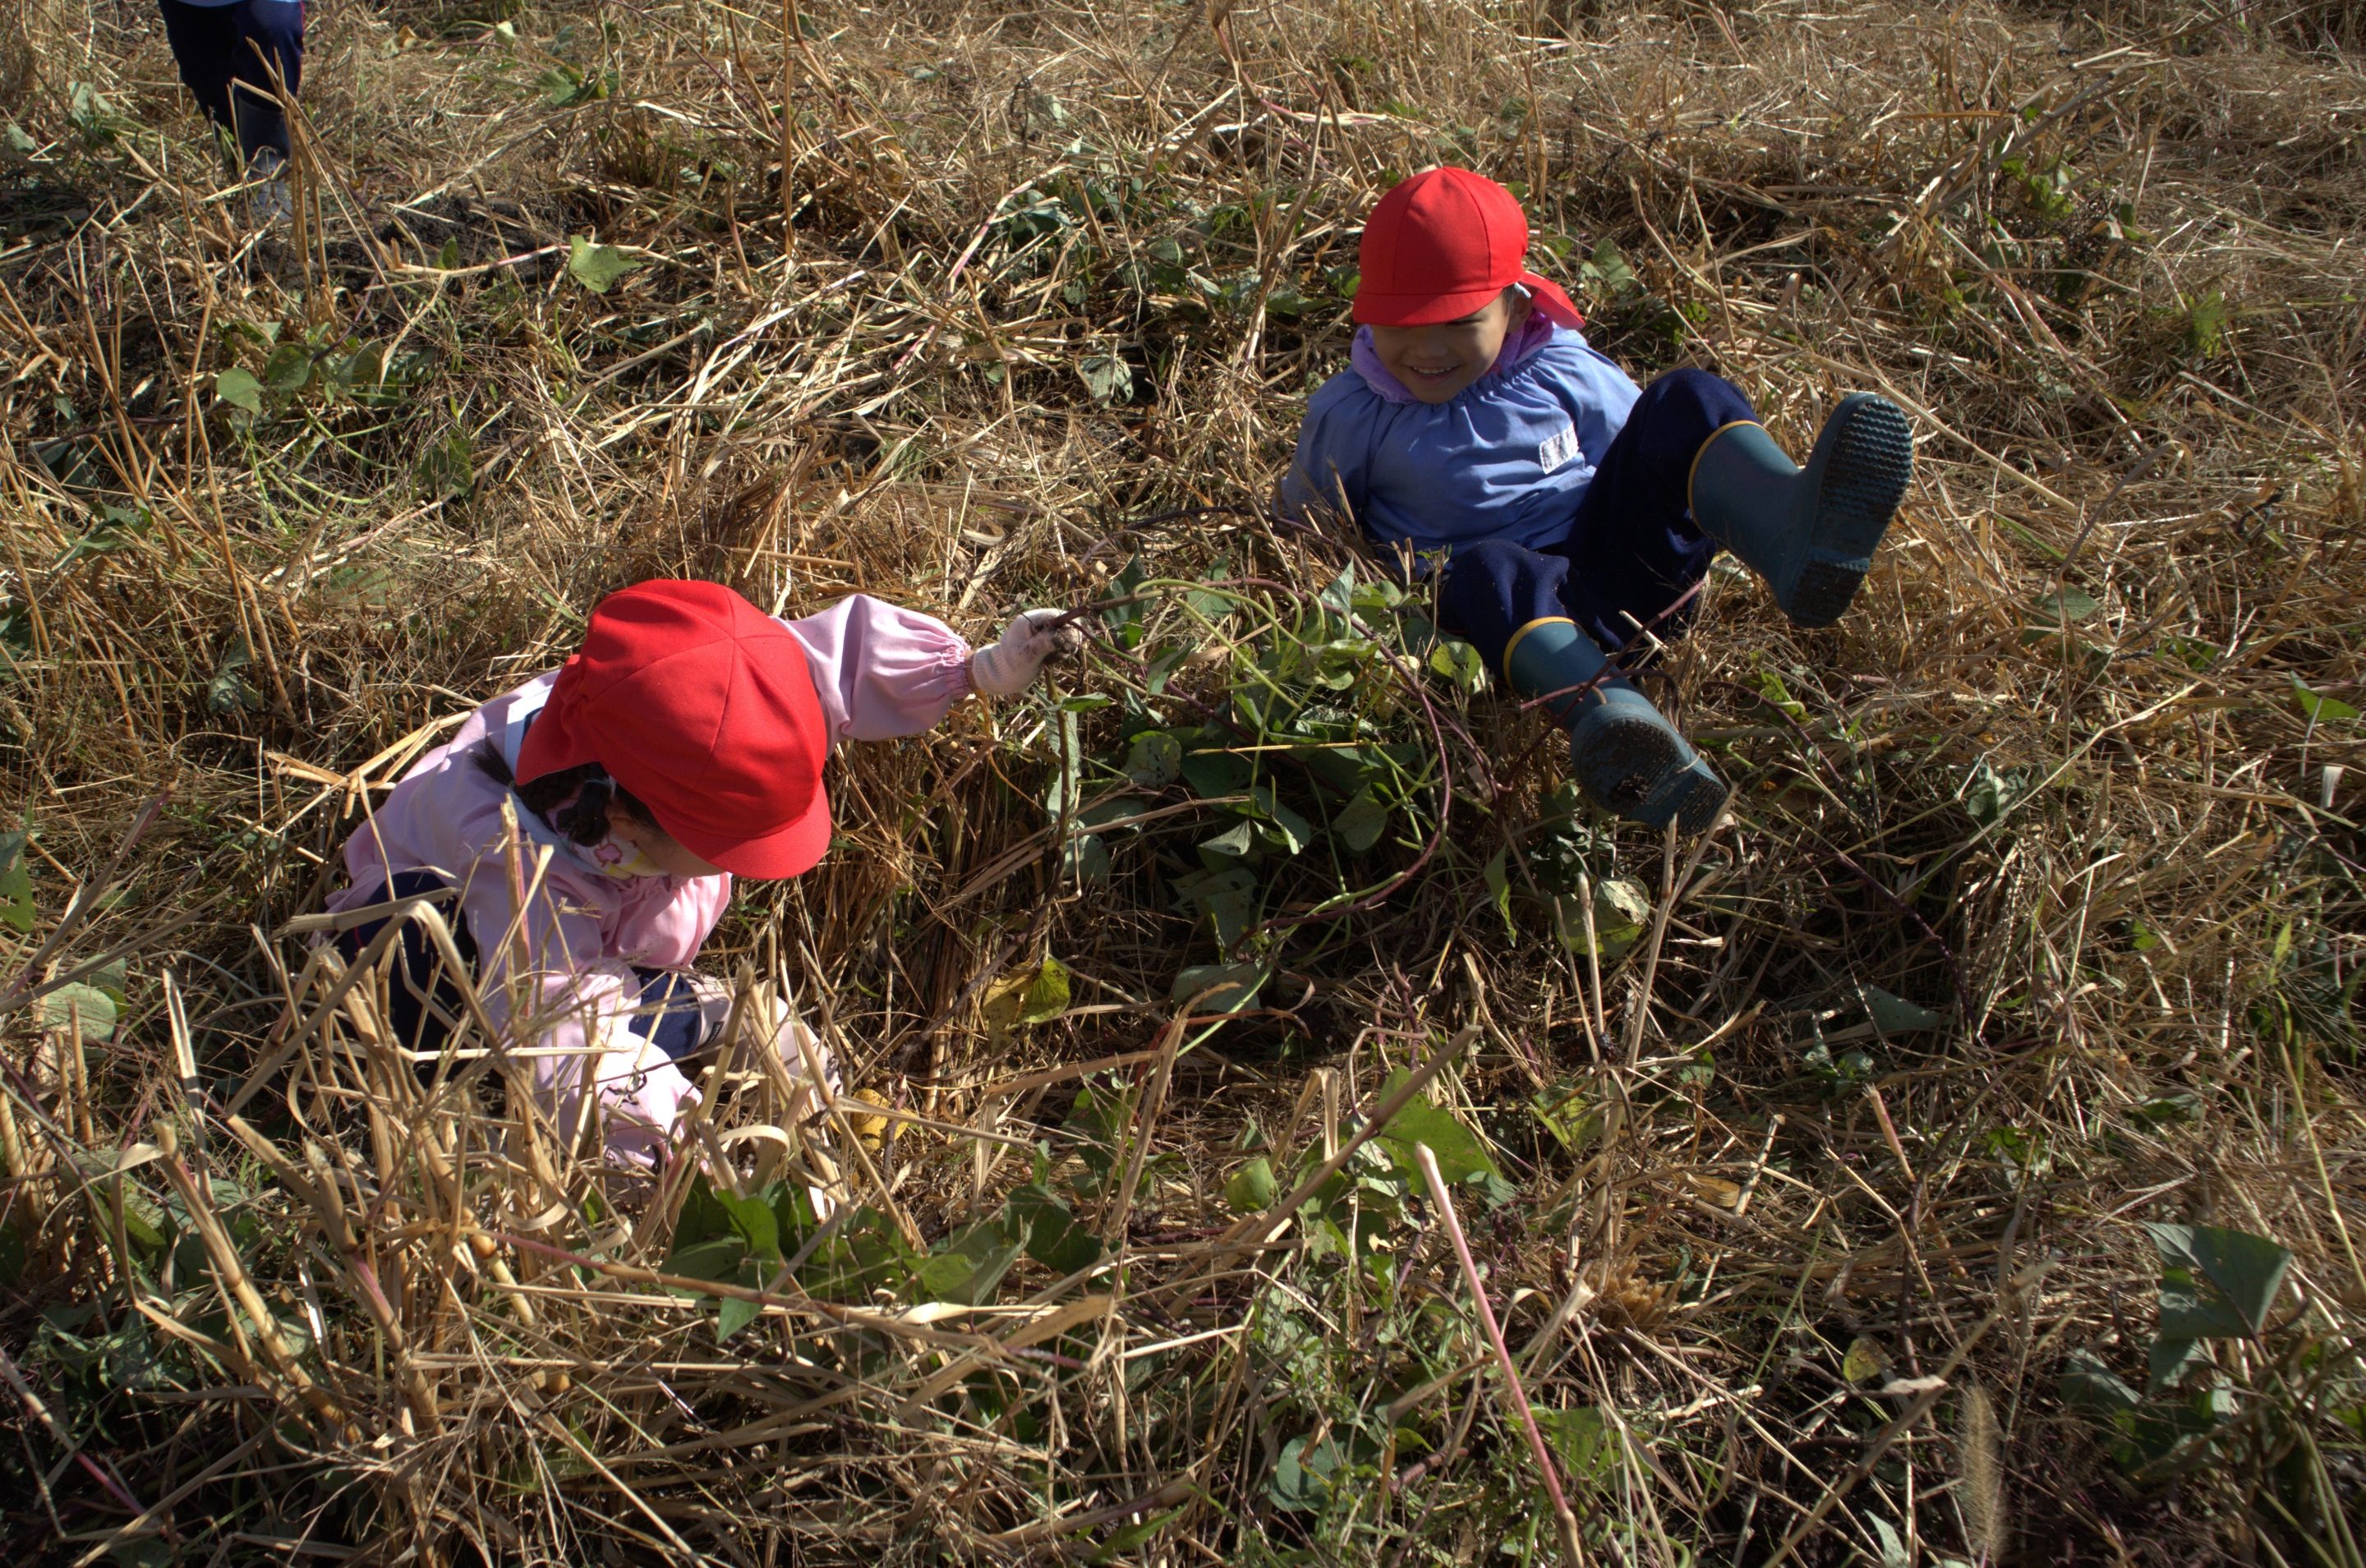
x=2216, y=1283
x=597, y=267
x=1360, y=822
x=1252, y=1189
x=240, y=390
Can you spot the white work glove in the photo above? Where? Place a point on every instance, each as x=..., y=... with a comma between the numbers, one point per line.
x=1008, y=668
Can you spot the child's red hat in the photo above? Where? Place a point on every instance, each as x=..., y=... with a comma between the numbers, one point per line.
x=1440, y=245
x=702, y=707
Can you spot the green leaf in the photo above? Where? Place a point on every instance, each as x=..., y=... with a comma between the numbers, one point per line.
x=968, y=1264
x=95, y=1007
x=1499, y=889
x=1294, y=832
x=1226, y=900
x=17, y=906
x=1359, y=823
x=2063, y=609
x=1302, y=1479
x=2216, y=1283
x=1988, y=794
x=1456, y=1149
x=1155, y=760
x=1102, y=1122
x=751, y=1220
x=1252, y=1189
x=1229, y=987
x=290, y=367
x=1895, y=1015
x=2172, y=1360
x=597, y=267
x=2089, y=1384
x=702, y=1219
x=1107, y=378
x=732, y=1315
x=240, y=390
x=1233, y=844
x=1132, y=1536
x=1215, y=774
x=1622, y=906
x=1339, y=593
x=2318, y=708
x=1169, y=658
x=448, y=467
x=228, y=692
x=1054, y=1239
x=1584, y=1440
x=1771, y=687
x=2206, y=323
x=1458, y=663
x=1036, y=996
x=718, y=1257
x=1893, y=1547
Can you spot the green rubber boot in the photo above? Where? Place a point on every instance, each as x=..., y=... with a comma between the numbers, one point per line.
x=1626, y=757
x=1809, y=532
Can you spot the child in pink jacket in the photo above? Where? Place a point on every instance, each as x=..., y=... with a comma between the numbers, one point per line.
x=682, y=747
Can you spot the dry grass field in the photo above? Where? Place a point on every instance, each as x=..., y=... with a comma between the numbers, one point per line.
x=1955, y=1158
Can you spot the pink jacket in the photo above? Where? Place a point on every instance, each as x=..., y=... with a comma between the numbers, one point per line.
x=879, y=672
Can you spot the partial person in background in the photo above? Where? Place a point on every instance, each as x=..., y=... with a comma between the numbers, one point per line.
x=228, y=51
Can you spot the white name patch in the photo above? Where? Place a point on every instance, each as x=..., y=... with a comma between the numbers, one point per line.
x=1558, y=448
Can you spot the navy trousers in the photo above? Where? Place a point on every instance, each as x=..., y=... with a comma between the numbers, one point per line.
x=1634, y=548
x=424, y=1004
x=221, y=50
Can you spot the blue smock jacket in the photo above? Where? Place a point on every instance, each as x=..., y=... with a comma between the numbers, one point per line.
x=1505, y=458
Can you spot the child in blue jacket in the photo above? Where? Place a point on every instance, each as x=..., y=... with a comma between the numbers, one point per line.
x=1477, y=433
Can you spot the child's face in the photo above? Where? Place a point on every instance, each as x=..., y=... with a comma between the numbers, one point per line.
x=1436, y=362
x=663, y=850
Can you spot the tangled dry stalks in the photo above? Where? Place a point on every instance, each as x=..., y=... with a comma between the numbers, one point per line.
x=1953, y=1157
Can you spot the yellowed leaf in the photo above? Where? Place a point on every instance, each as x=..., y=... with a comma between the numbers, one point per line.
x=1865, y=1359
x=1716, y=1189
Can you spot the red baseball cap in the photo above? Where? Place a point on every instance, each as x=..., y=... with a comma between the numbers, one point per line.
x=1440, y=245
x=702, y=706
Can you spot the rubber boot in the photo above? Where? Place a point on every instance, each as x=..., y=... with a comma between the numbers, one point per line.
x=1809, y=532
x=1626, y=757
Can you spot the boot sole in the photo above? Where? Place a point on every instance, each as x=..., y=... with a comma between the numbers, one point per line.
x=1625, y=764
x=1691, y=799
x=1864, y=478
x=1646, y=774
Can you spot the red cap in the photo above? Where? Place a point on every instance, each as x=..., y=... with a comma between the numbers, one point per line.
x=1440, y=245
x=701, y=705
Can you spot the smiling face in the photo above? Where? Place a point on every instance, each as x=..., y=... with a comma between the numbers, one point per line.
x=1436, y=362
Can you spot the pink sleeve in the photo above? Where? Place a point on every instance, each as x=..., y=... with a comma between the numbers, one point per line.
x=881, y=671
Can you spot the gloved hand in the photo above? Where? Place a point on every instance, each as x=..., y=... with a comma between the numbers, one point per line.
x=1008, y=667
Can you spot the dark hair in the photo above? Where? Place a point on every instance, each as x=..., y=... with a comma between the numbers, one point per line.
x=585, y=822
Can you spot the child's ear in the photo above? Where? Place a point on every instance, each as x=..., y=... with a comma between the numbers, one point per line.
x=1516, y=306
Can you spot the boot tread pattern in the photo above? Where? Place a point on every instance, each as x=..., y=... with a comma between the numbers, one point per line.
x=1624, y=763
x=1864, y=480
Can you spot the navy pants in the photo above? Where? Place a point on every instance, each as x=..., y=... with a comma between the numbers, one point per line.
x=221, y=50
x=424, y=1006
x=1634, y=548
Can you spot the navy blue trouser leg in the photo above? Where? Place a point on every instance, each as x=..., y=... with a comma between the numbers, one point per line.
x=1633, y=549
x=669, y=1015
x=221, y=50
x=421, y=997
